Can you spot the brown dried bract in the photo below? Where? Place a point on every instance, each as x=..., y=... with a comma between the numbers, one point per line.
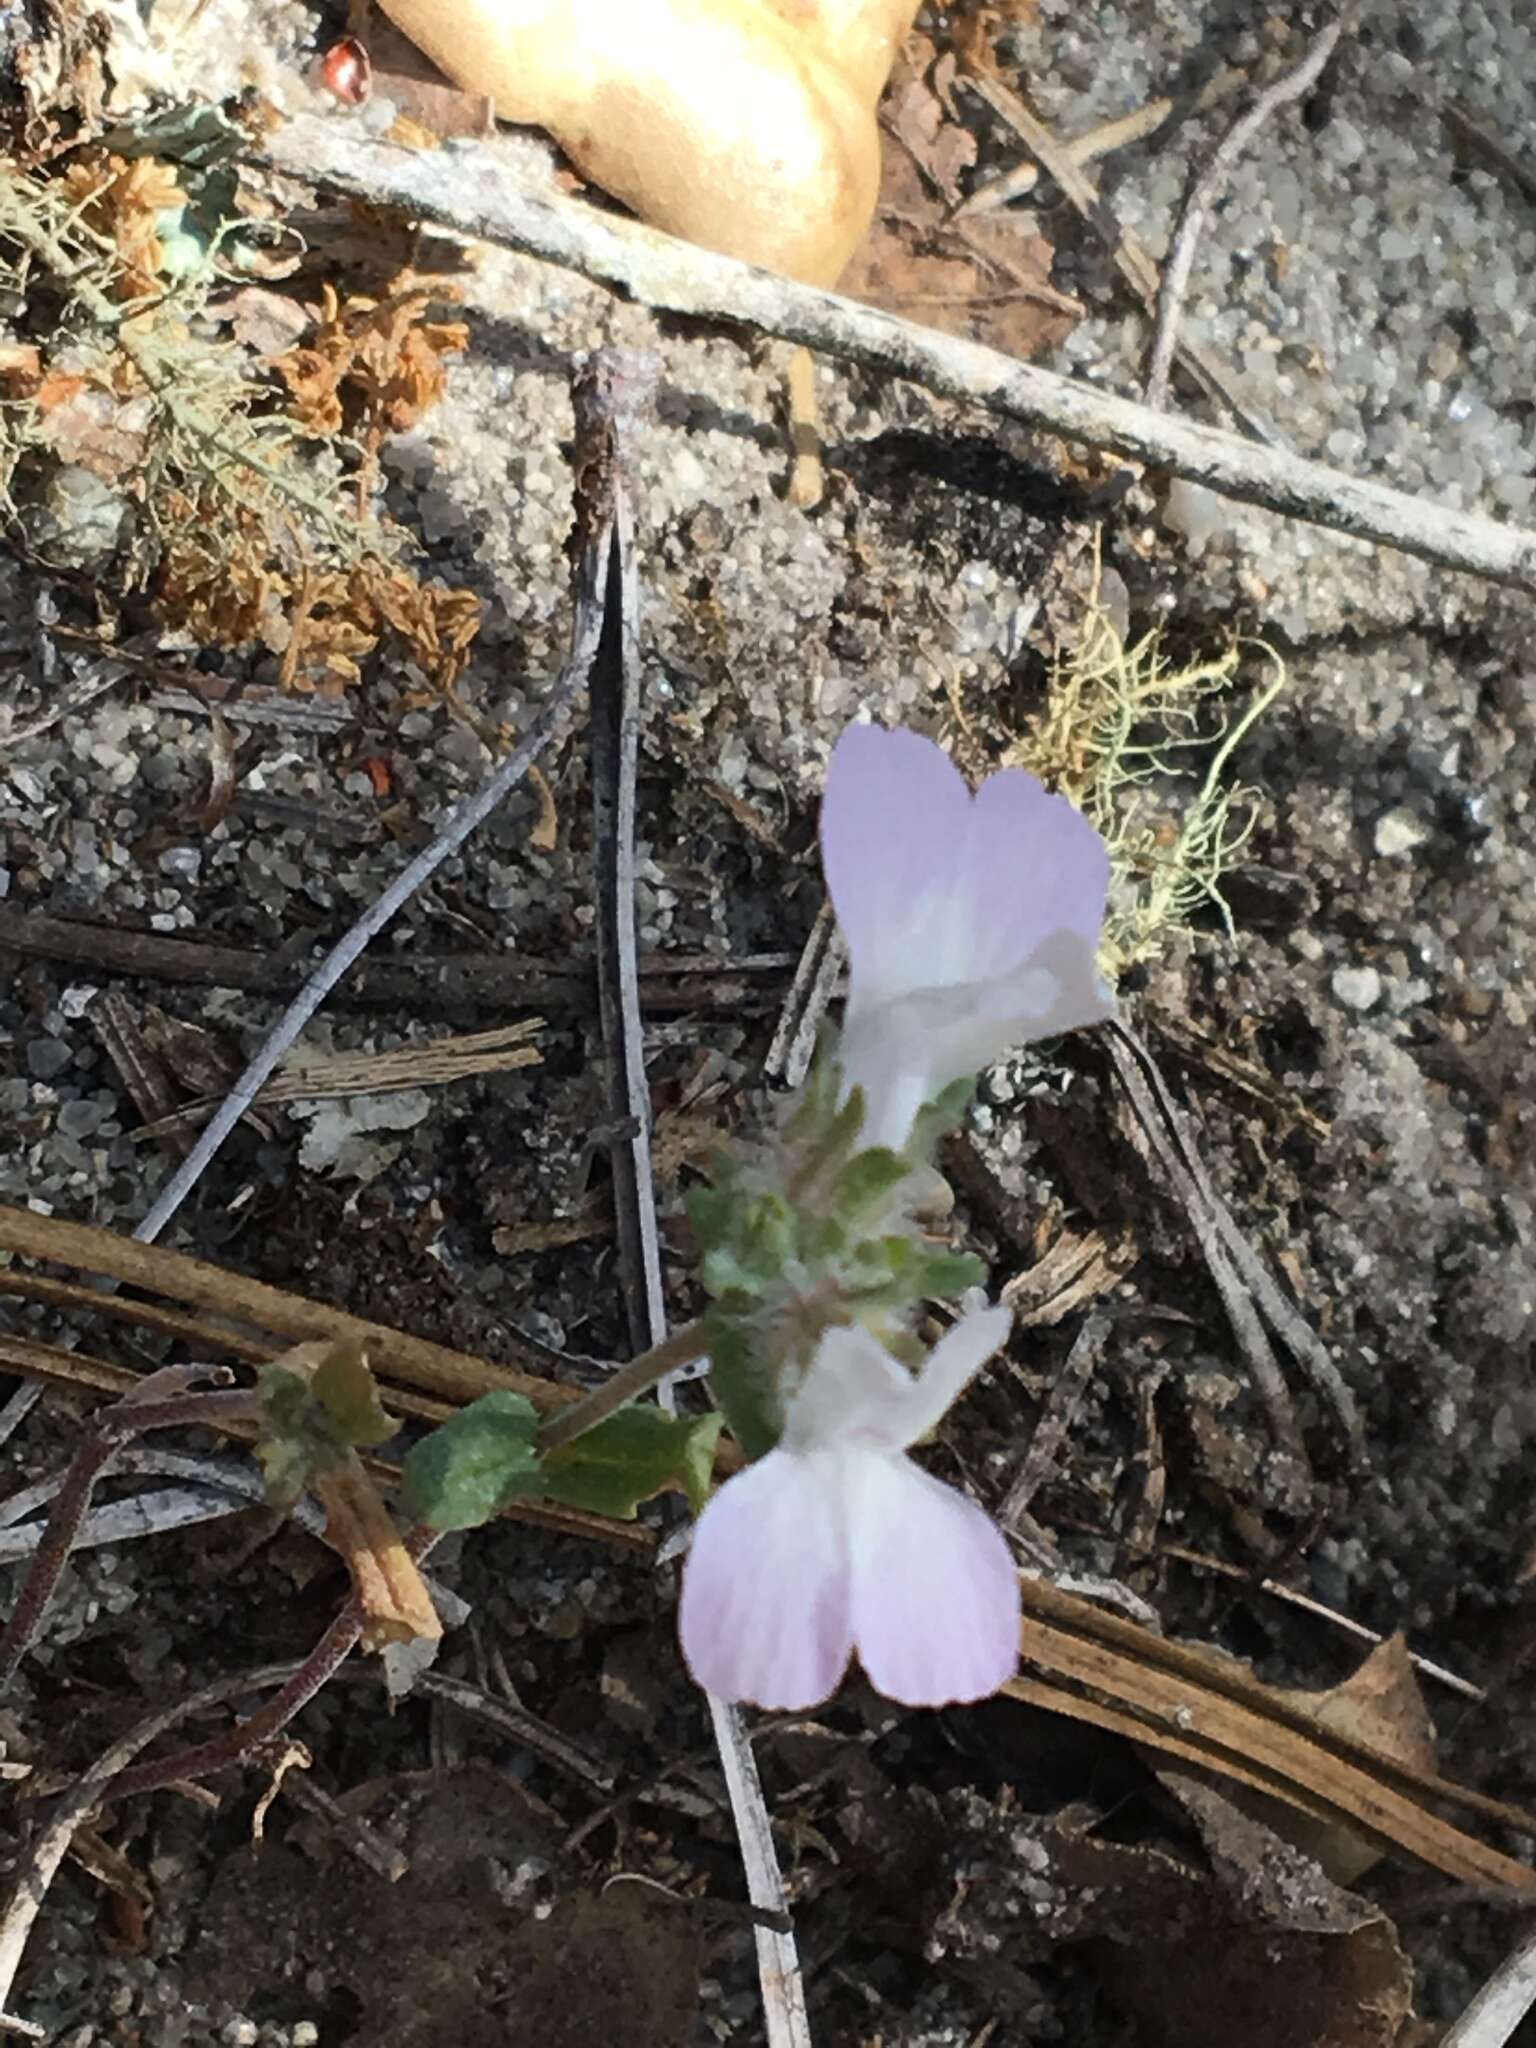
x=124, y=202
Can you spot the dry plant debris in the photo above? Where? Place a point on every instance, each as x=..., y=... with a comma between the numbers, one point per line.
x=173, y=464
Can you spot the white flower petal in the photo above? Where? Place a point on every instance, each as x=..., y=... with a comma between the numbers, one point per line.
x=1037, y=866
x=949, y=1369
x=935, y=1594
x=972, y=923
x=856, y=1397
x=893, y=818
x=903, y=1052
x=765, y=1613
x=852, y=1395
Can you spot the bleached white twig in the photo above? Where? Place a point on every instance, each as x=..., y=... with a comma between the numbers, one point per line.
x=778, y=1960
x=210, y=1487
x=18, y=1408
x=1501, y=2005
x=471, y=190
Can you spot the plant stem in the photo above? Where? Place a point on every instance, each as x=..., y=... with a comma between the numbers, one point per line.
x=630, y=1381
x=233, y=1747
x=168, y=1405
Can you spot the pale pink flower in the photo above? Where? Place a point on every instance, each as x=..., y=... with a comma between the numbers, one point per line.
x=836, y=1544
x=972, y=922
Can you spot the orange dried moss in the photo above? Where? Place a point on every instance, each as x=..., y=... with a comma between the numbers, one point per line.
x=372, y=365
x=123, y=202
x=237, y=593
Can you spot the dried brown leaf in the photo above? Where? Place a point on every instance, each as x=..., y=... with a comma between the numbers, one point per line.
x=985, y=281
x=268, y=323
x=1210, y=1711
x=1380, y=1704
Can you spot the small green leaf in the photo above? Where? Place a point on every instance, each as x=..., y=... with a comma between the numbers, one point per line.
x=629, y=1457
x=727, y=1279
x=867, y=1182
x=696, y=1468
x=767, y=1240
x=478, y=1462
x=818, y=1091
x=936, y=1119
x=289, y=1447
x=741, y=1385
x=712, y=1212
x=940, y=1275
x=820, y=1241
x=349, y=1394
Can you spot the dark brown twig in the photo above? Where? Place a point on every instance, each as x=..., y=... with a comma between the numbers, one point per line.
x=423, y=983
x=301, y=1683
x=1290, y=85
x=381, y=1855
x=1245, y=1282
x=1060, y=1411
x=39, y=1867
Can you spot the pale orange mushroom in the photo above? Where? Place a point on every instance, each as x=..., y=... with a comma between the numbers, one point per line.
x=747, y=126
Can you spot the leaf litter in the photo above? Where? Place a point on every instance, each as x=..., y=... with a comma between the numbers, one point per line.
x=373, y=368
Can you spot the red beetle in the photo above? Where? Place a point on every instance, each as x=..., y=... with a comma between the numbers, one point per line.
x=346, y=73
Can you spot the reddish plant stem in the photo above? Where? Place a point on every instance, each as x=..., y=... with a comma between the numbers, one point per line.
x=70, y=1504
x=168, y=1405
x=237, y=1744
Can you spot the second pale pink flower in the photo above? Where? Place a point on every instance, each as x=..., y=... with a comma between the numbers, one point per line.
x=972, y=921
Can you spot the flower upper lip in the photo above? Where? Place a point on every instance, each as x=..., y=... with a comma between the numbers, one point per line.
x=972, y=922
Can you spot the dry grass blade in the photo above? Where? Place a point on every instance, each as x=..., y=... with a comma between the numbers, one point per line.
x=1117, y=1675
x=309, y=1077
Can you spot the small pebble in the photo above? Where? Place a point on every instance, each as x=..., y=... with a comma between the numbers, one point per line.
x=47, y=1057
x=1357, y=988
x=81, y=1119
x=1399, y=831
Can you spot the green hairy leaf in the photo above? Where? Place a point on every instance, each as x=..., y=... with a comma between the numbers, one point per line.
x=629, y=1457
x=477, y=1463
